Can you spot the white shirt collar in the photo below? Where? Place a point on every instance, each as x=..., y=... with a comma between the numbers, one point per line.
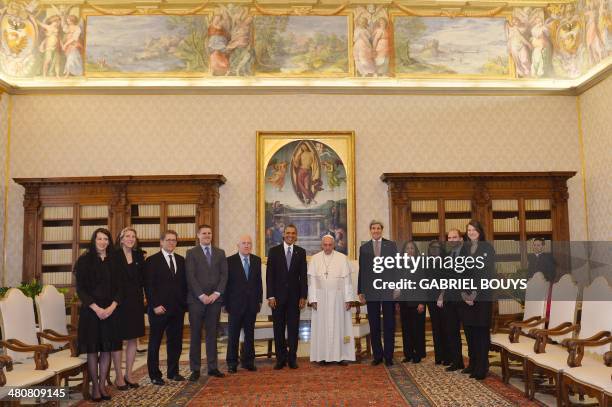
x=166, y=253
x=287, y=246
x=242, y=256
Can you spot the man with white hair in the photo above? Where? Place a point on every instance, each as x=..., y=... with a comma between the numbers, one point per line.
x=330, y=292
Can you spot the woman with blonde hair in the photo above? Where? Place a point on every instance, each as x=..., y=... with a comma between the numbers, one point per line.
x=129, y=263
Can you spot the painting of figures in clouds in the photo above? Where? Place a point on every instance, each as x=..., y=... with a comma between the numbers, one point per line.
x=146, y=44
x=451, y=46
x=302, y=45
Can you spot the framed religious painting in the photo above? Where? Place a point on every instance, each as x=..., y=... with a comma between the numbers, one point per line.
x=306, y=179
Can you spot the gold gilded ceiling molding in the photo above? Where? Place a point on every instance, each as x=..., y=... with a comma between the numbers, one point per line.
x=450, y=12
x=108, y=12
x=300, y=10
x=185, y=13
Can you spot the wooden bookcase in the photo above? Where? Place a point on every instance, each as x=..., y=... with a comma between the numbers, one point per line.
x=513, y=207
x=60, y=214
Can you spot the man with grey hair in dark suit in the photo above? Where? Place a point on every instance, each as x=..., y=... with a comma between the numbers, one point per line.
x=206, y=269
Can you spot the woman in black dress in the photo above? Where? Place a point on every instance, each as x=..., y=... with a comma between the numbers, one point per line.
x=477, y=308
x=412, y=315
x=98, y=288
x=435, y=305
x=128, y=260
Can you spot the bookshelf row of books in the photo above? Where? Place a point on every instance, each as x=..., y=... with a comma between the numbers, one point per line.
x=538, y=225
x=506, y=225
x=94, y=212
x=57, y=278
x=147, y=231
x=151, y=211
x=430, y=226
x=537, y=204
x=184, y=230
x=87, y=231
x=57, y=212
x=458, y=205
x=507, y=267
x=505, y=205
x=507, y=246
x=455, y=224
x=182, y=250
x=56, y=256
x=57, y=233
x=430, y=206
x=181, y=210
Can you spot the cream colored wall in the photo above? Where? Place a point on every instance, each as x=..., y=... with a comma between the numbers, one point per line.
x=4, y=106
x=105, y=135
x=596, y=114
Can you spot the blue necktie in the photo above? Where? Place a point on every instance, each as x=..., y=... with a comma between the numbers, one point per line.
x=288, y=258
x=245, y=264
x=207, y=251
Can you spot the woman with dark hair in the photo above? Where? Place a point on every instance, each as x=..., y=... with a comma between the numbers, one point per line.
x=412, y=314
x=128, y=260
x=436, y=313
x=476, y=309
x=99, y=290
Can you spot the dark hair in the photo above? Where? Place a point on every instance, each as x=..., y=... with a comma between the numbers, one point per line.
x=440, y=247
x=204, y=226
x=168, y=232
x=291, y=225
x=478, y=226
x=410, y=243
x=91, y=249
x=540, y=239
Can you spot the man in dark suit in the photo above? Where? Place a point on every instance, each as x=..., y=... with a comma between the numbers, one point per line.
x=541, y=261
x=377, y=247
x=243, y=296
x=166, y=290
x=287, y=290
x=206, y=268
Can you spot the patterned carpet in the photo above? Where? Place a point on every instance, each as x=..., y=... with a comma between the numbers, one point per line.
x=359, y=384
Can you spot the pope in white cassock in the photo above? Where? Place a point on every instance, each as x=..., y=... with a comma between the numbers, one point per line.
x=330, y=292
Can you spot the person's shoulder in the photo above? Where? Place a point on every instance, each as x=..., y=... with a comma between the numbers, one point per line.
x=178, y=256
x=299, y=249
x=83, y=259
x=255, y=257
x=233, y=257
x=275, y=249
x=153, y=257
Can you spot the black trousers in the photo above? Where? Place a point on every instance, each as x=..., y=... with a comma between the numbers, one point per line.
x=238, y=321
x=206, y=316
x=438, y=331
x=479, y=340
x=452, y=322
x=172, y=325
x=388, y=314
x=413, y=330
x=286, y=317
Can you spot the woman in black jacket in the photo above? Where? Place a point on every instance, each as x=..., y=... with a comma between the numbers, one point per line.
x=99, y=290
x=435, y=305
x=412, y=315
x=476, y=309
x=129, y=263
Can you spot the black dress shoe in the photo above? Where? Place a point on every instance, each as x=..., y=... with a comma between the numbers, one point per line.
x=478, y=376
x=177, y=378
x=438, y=362
x=406, y=360
x=132, y=385
x=452, y=368
x=293, y=365
x=158, y=382
x=251, y=368
x=195, y=376
x=389, y=362
x=446, y=363
x=122, y=388
x=96, y=399
x=215, y=373
x=232, y=369
x=376, y=362
x=322, y=363
x=105, y=397
x=279, y=365
x=416, y=360
x=342, y=363
x=467, y=370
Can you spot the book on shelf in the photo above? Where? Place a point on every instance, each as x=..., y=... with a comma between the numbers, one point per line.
x=82, y=250
x=150, y=249
x=455, y=224
x=537, y=204
x=507, y=267
x=94, y=211
x=430, y=206
x=57, y=233
x=538, y=225
x=184, y=230
x=57, y=278
x=182, y=250
x=87, y=230
x=147, y=230
x=56, y=256
x=507, y=205
x=430, y=226
x=57, y=212
x=458, y=205
x=506, y=225
x=507, y=246
x=152, y=211
x=181, y=210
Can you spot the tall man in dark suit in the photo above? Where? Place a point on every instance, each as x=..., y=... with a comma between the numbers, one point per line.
x=206, y=280
x=287, y=290
x=166, y=290
x=541, y=261
x=377, y=247
x=243, y=297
